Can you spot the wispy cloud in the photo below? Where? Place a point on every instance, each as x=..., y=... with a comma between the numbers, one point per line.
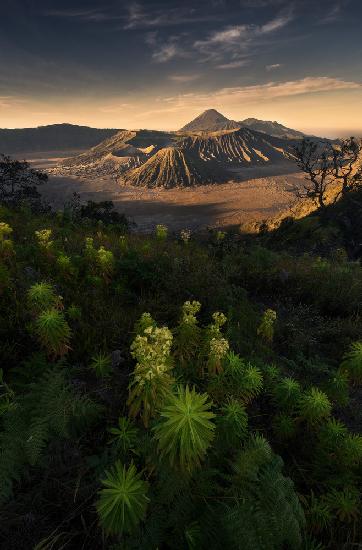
x=139, y=17
x=234, y=64
x=184, y=77
x=230, y=46
x=94, y=15
x=273, y=66
x=166, y=52
x=264, y=92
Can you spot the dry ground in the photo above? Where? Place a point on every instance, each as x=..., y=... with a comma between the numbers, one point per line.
x=256, y=194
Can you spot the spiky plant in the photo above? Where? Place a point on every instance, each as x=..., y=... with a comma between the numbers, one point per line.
x=255, y=453
x=187, y=334
x=242, y=380
x=41, y=296
x=185, y=429
x=123, y=500
x=233, y=423
x=344, y=503
x=350, y=450
x=266, y=327
x=314, y=406
x=286, y=393
x=53, y=332
x=124, y=435
x=101, y=365
x=64, y=264
x=337, y=388
x=318, y=513
x=284, y=426
x=352, y=363
x=74, y=312
x=332, y=434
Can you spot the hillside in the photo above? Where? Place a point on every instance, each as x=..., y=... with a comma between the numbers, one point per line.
x=192, y=380
x=51, y=138
x=242, y=146
x=174, y=167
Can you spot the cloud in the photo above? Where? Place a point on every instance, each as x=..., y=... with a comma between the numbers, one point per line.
x=263, y=92
x=84, y=15
x=184, y=77
x=231, y=44
x=139, y=18
x=166, y=52
x=234, y=64
x=273, y=67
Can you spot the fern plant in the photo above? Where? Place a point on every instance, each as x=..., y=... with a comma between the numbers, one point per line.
x=185, y=430
x=352, y=363
x=50, y=409
x=53, y=332
x=123, y=500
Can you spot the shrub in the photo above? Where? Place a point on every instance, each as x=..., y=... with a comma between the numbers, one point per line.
x=185, y=430
x=123, y=500
x=53, y=332
x=101, y=364
x=314, y=406
x=352, y=362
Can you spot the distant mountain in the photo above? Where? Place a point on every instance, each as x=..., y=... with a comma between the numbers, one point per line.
x=210, y=121
x=145, y=158
x=271, y=128
x=55, y=137
x=213, y=121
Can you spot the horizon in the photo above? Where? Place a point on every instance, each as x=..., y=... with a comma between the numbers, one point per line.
x=157, y=64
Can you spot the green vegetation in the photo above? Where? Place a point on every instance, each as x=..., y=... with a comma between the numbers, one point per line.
x=159, y=392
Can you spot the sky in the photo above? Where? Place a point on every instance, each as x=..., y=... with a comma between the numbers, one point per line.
x=159, y=63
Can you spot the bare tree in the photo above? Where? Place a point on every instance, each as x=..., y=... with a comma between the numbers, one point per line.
x=333, y=170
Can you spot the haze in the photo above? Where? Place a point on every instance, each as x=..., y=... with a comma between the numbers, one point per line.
x=157, y=64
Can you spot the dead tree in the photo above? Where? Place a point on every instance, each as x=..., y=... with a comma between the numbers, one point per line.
x=333, y=170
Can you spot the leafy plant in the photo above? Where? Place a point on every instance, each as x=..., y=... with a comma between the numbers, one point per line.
x=124, y=435
x=185, y=430
x=352, y=362
x=187, y=334
x=286, y=393
x=314, y=406
x=266, y=327
x=53, y=332
x=41, y=296
x=152, y=380
x=101, y=364
x=233, y=423
x=123, y=500
x=345, y=504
